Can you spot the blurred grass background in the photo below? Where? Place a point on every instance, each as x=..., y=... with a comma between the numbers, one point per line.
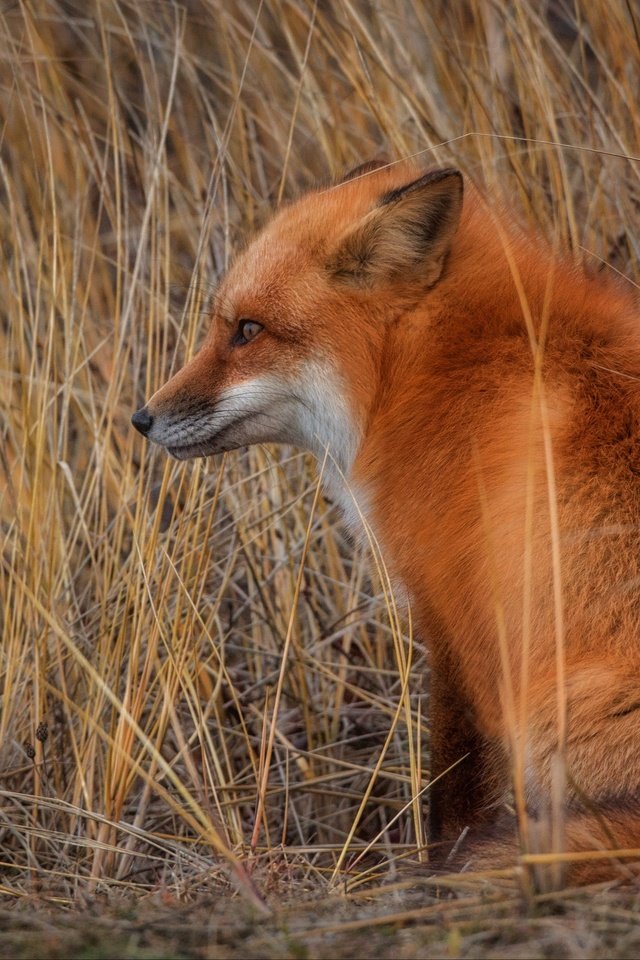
x=151, y=734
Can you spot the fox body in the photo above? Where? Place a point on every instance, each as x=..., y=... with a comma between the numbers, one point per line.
x=478, y=396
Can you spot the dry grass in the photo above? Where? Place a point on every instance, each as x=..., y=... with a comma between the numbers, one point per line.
x=152, y=734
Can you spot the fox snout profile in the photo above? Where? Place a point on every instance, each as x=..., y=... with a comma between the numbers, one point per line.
x=479, y=397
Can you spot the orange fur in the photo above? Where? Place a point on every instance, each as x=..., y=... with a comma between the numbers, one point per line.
x=493, y=390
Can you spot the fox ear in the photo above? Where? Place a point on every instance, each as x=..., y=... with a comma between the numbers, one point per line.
x=364, y=168
x=407, y=235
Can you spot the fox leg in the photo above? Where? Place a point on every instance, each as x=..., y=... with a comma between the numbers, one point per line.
x=603, y=729
x=468, y=772
x=601, y=756
x=601, y=810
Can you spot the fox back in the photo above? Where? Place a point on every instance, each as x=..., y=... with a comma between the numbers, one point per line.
x=478, y=396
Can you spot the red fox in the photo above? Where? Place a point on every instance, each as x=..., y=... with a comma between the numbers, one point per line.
x=479, y=397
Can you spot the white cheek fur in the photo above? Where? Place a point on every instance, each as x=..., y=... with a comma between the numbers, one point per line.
x=312, y=411
x=324, y=417
x=309, y=410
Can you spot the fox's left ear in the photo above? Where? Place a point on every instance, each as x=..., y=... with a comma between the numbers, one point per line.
x=363, y=169
x=406, y=237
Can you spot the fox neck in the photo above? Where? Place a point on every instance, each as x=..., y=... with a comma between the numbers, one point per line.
x=326, y=424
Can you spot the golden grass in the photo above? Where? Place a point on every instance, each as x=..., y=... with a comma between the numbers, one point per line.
x=200, y=678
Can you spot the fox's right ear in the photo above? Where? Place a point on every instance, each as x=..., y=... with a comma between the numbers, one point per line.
x=406, y=237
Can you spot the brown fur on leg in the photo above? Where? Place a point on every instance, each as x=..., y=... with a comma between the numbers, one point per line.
x=613, y=827
x=468, y=771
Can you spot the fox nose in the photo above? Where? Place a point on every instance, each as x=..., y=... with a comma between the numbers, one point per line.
x=142, y=420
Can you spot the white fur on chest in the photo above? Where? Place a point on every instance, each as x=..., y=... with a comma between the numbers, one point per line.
x=355, y=507
x=351, y=501
x=330, y=429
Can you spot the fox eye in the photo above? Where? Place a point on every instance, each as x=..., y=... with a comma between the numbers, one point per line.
x=247, y=330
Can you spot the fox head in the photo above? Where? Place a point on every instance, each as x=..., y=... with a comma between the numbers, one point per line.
x=298, y=327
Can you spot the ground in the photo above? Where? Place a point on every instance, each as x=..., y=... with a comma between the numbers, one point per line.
x=406, y=923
